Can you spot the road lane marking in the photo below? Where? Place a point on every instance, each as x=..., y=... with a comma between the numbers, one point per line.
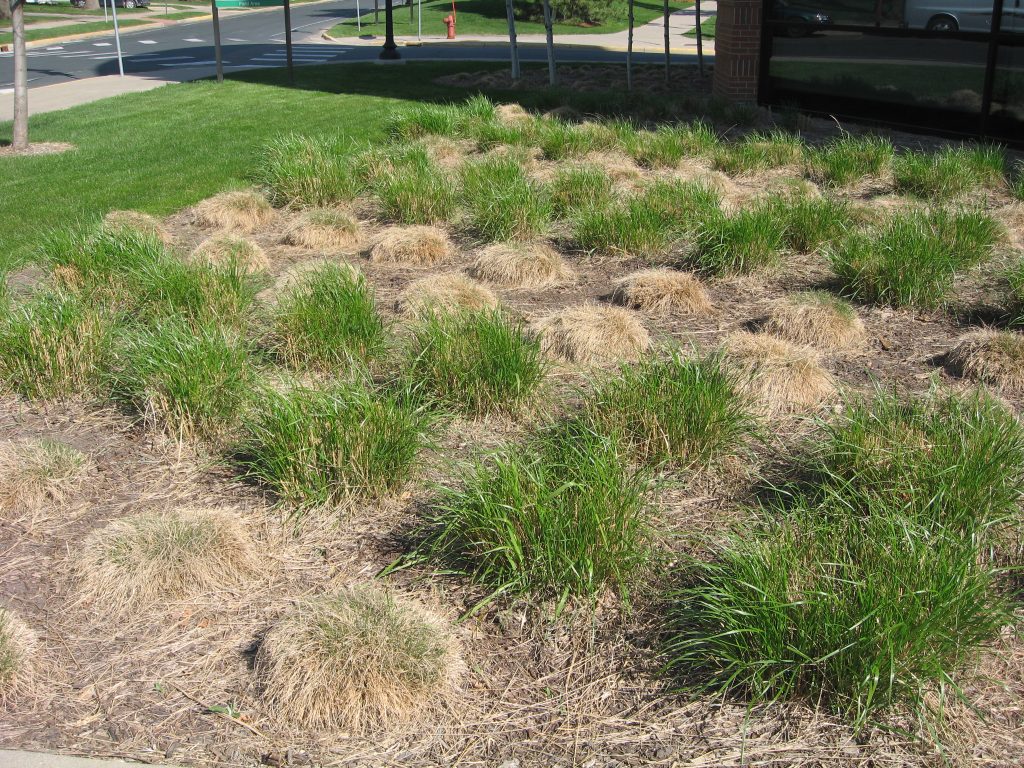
x=102, y=45
x=55, y=48
x=147, y=42
x=191, y=40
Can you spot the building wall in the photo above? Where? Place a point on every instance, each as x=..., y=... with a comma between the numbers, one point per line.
x=737, y=49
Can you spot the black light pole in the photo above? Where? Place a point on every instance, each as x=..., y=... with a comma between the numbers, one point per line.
x=390, y=50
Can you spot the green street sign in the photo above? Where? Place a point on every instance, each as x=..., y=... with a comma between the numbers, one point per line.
x=248, y=3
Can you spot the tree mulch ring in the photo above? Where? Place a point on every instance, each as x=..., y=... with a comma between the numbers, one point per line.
x=36, y=148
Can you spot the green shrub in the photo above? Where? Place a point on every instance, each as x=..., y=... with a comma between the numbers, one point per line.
x=502, y=202
x=562, y=515
x=950, y=172
x=306, y=171
x=314, y=447
x=191, y=382
x=53, y=346
x=913, y=259
x=580, y=190
x=849, y=159
x=686, y=413
x=857, y=608
x=410, y=188
x=479, y=363
x=759, y=152
x=751, y=239
x=328, y=320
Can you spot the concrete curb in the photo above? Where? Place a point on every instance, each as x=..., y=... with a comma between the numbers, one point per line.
x=16, y=758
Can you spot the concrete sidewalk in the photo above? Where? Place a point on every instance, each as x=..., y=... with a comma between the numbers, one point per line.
x=649, y=38
x=15, y=758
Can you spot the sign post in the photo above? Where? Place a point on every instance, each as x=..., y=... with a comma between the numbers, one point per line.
x=218, y=4
x=117, y=38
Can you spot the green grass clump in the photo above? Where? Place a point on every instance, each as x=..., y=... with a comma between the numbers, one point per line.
x=811, y=223
x=684, y=413
x=562, y=515
x=666, y=146
x=747, y=241
x=913, y=259
x=1017, y=181
x=53, y=345
x=1015, y=276
x=314, y=447
x=577, y=190
x=190, y=382
x=502, y=202
x=452, y=120
x=134, y=274
x=476, y=362
x=559, y=140
x=950, y=172
x=328, y=320
x=872, y=586
x=410, y=188
x=849, y=159
x=856, y=608
x=306, y=171
x=649, y=223
x=952, y=460
x=759, y=152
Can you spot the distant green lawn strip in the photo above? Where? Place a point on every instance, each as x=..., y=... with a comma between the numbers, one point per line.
x=487, y=17
x=707, y=29
x=69, y=30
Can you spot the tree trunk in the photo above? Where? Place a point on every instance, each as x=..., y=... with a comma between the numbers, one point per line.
x=548, y=22
x=20, y=131
x=700, y=40
x=513, y=45
x=92, y=4
x=668, y=44
x=5, y=10
x=629, y=50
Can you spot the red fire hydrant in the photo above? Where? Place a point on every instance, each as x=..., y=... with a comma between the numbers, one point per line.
x=449, y=20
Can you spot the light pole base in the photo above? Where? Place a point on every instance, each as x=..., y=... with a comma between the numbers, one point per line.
x=390, y=54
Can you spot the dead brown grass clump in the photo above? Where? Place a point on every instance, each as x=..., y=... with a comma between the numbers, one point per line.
x=37, y=472
x=325, y=229
x=521, y=265
x=511, y=114
x=418, y=246
x=361, y=660
x=239, y=211
x=991, y=357
x=17, y=657
x=781, y=376
x=445, y=293
x=136, y=561
x=662, y=292
x=118, y=221
x=593, y=333
x=816, y=318
x=618, y=166
x=227, y=248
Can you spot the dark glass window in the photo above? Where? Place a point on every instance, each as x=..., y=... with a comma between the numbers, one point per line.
x=945, y=65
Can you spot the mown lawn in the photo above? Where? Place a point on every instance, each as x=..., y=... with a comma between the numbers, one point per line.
x=165, y=149
x=487, y=17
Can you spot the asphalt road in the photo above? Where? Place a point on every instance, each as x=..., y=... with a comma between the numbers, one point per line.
x=249, y=40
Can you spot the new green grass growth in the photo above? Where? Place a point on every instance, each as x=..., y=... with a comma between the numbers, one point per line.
x=502, y=202
x=410, y=188
x=749, y=240
x=913, y=259
x=476, y=362
x=811, y=223
x=575, y=191
x=452, y=120
x=315, y=447
x=306, y=171
x=1015, y=277
x=759, y=152
x=950, y=172
x=328, y=320
x=190, y=382
x=849, y=159
x=668, y=145
x=562, y=515
x=53, y=345
x=686, y=413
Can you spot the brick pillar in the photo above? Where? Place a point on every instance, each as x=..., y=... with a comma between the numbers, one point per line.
x=737, y=46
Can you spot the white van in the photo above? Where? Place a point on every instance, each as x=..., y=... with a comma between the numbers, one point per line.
x=952, y=15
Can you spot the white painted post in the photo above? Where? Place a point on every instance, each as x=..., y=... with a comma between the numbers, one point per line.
x=117, y=37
